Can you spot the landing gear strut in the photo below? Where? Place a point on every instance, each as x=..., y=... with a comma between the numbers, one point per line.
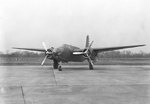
x=55, y=64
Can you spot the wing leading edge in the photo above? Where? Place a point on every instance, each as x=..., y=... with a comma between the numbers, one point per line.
x=94, y=49
x=115, y=48
x=31, y=49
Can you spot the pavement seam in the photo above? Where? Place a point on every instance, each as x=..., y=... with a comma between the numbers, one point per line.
x=23, y=95
x=54, y=76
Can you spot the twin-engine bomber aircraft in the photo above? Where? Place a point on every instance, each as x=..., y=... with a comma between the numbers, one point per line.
x=67, y=53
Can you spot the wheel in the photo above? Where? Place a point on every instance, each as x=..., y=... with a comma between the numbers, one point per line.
x=55, y=64
x=59, y=68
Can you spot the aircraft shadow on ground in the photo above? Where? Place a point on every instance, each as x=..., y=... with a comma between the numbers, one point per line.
x=81, y=68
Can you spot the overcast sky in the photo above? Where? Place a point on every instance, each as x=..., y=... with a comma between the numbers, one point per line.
x=26, y=23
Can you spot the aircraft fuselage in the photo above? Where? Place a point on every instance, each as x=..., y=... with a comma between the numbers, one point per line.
x=65, y=54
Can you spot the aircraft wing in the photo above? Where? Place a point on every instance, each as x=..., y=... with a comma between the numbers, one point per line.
x=31, y=49
x=115, y=48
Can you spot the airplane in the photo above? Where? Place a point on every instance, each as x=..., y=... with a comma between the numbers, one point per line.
x=66, y=53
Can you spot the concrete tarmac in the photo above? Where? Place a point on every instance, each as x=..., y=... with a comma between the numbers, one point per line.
x=107, y=84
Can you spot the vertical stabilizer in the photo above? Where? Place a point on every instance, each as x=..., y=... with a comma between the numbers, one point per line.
x=87, y=41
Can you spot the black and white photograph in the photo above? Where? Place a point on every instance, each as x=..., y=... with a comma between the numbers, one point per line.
x=74, y=52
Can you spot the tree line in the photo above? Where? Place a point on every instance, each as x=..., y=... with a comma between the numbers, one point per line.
x=124, y=54
x=109, y=54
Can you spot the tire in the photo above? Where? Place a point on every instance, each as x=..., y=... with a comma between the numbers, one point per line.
x=59, y=68
x=55, y=64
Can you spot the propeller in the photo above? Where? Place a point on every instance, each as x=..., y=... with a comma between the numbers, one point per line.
x=48, y=52
x=44, y=45
x=44, y=60
x=85, y=53
x=90, y=61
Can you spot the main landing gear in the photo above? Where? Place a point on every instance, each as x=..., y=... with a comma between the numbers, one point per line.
x=57, y=65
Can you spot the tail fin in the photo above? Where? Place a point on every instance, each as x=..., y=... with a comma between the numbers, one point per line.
x=87, y=41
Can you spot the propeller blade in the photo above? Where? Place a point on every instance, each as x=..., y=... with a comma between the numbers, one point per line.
x=88, y=47
x=44, y=60
x=89, y=60
x=44, y=45
x=91, y=44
